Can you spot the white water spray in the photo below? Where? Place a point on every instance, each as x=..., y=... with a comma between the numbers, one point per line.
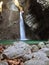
x=22, y=28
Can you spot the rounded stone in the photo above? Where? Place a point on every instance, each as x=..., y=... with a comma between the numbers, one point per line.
x=41, y=45
x=34, y=48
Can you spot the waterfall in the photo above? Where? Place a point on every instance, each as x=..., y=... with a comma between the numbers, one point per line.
x=22, y=28
x=12, y=7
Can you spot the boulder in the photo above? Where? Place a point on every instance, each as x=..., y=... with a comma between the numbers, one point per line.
x=1, y=57
x=47, y=61
x=34, y=62
x=28, y=56
x=41, y=45
x=40, y=55
x=18, y=49
x=34, y=48
x=3, y=63
x=45, y=50
x=47, y=45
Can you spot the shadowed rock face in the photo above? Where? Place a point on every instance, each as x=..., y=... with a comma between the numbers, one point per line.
x=39, y=15
x=22, y=2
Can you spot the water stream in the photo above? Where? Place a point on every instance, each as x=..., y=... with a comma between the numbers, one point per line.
x=22, y=28
x=12, y=7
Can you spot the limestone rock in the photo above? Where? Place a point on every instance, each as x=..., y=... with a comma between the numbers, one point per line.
x=22, y=2
x=17, y=50
x=47, y=45
x=1, y=57
x=30, y=20
x=39, y=55
x=34, y=48
x=47, y=62
x=41, y=45
x=9, y=24
x=28, y=56
x=3, y=63
x=45, y=50
x=34, y=62
x=44, y=3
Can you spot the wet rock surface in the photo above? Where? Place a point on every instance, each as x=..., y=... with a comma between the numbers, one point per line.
x=20, y=53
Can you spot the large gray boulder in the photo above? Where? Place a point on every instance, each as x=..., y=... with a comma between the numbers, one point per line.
x=40, y=55
x=37, y=55
x=3, y=63
x=34, y=62
x=18, y=49
x=45, y=50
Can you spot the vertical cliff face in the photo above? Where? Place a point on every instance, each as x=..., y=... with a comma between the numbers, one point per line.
x=37, y=18
x=9, y=24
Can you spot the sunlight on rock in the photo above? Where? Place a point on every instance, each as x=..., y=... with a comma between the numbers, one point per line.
x=1, y=3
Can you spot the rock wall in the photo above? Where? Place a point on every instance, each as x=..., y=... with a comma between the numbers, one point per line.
x=37, y=18
x=9, y=24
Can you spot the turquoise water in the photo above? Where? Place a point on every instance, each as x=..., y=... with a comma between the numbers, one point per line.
x=27, y=41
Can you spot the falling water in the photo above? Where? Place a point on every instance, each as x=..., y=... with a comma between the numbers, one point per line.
x=22, y=28
x=12, y=7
